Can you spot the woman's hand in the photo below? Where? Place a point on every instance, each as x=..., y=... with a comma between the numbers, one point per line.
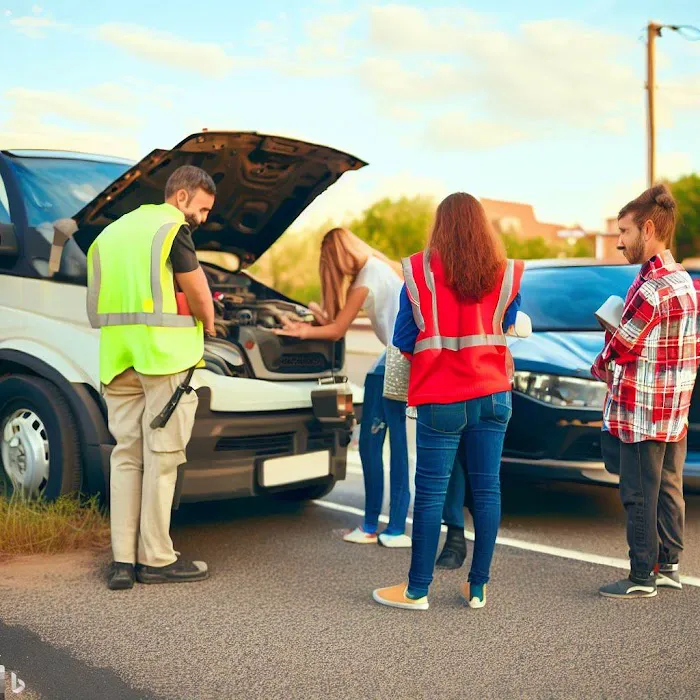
x=319, y=314
x=295, y=329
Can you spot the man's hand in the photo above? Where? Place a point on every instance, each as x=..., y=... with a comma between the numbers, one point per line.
x=196, y=289
x=600, y=370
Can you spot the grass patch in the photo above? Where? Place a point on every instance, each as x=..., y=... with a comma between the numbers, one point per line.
x=39, y=527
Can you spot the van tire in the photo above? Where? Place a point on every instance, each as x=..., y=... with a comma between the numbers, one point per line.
x=40, y=396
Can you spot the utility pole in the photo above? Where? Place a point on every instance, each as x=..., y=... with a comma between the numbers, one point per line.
x=653, y=30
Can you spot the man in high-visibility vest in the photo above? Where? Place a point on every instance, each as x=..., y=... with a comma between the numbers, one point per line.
x=146, y=350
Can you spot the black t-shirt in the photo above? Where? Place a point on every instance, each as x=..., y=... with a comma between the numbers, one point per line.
x=183, y=257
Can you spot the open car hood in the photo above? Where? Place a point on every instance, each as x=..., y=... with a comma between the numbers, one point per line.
x=263, y=184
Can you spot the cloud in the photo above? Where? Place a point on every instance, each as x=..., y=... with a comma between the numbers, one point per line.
x=329, y=28
x=323, y=48
x=556, y=70
x=352, y=195
x=543, y=73
x=400, y=113
x=35, y=134
x=410, y=29
x=32, y=123
x=673, y=164
x=35, y=27
x=208, y=59
x=127, y=95
x=391, y=78
x=73, y=107
x=456, y=131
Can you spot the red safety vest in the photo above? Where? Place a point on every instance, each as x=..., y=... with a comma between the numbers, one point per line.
x=461, y=350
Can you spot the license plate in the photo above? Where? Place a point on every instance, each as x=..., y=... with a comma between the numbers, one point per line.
x=288, y=470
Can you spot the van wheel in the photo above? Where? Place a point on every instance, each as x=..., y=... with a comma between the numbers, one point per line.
x=39, y=444
x=310, y=493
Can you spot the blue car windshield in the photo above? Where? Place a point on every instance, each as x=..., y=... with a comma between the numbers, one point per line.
x=55, y=188
x=566, y=298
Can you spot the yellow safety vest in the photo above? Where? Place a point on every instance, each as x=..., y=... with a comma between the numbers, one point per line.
x=131, y=296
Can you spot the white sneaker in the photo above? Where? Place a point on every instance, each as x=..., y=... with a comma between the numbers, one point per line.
x=359, y=536
x=394, y=540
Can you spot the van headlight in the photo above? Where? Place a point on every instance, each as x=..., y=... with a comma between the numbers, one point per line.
x=332, y=401
x=561, y=391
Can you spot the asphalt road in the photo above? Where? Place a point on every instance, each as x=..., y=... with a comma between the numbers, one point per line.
x=287, y=612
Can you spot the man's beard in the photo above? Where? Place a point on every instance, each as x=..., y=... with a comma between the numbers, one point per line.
x=635, y=252
x=191, y=221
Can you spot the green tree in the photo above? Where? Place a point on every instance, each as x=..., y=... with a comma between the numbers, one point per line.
x=528, y=248
x=397, y=227
x=583, y=248
x=291, y=265
x=686, y=191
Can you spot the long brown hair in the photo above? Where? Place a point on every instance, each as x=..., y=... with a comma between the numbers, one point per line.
x=343, y=255
x=471, y=252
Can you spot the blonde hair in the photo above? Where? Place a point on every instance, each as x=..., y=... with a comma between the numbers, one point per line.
x=343, y=255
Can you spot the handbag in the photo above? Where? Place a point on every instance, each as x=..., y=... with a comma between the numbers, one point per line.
x=396, y=375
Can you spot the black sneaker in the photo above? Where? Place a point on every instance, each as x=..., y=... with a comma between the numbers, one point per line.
x=627, y=588
x=120, y=577
x=669, y=576
x=180, y=571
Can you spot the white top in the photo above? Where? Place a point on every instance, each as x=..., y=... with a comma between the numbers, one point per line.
x=382, y=302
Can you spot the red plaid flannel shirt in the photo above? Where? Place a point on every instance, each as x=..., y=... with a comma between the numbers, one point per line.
x=651, y=361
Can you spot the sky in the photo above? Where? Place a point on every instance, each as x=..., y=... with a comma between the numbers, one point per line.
x=540, y=102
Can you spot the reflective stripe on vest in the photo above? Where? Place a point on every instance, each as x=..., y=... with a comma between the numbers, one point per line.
x=412, y=292
x=442, y=342
x=155, y=318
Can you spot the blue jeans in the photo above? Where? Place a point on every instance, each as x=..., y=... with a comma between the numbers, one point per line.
x=378, y=414
x=440, y=428
x=458, y=493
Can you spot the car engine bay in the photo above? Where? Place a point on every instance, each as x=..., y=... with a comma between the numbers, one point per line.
x=247, y=315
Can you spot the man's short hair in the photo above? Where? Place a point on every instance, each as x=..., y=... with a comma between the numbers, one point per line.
x=655, y=204
x=189, y=178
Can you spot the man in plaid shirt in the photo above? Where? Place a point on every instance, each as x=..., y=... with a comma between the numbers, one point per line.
x=650, y=363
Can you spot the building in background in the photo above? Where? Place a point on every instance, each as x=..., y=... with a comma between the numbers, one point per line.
x=519, y=220
x=606, y=243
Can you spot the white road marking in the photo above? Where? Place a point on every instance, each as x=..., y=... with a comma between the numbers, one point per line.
x=520, y=544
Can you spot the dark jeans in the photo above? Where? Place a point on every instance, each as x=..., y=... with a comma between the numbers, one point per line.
x=458, y=492
x=651, y=490
x=378, y=414
x=440, y=428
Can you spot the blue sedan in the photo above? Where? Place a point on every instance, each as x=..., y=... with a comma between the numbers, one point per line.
x=557, y=404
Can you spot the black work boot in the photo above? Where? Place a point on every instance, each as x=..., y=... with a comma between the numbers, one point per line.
x=180, y=571
x=455, y=550
x=121, y=576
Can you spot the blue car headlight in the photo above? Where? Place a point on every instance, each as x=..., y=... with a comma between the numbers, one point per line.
x=557, y=390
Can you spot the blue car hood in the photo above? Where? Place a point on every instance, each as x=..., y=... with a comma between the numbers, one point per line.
x=570, y=353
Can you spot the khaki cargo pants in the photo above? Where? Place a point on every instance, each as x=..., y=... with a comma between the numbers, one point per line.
x=143, y=468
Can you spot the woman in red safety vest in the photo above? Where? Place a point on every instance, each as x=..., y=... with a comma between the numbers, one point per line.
x=460, y=298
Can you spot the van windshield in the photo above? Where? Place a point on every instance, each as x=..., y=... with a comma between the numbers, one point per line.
x=59, y=187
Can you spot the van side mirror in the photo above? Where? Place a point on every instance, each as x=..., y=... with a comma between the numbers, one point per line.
x=8, y=241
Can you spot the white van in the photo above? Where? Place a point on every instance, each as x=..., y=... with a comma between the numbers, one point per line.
x=275, y=415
